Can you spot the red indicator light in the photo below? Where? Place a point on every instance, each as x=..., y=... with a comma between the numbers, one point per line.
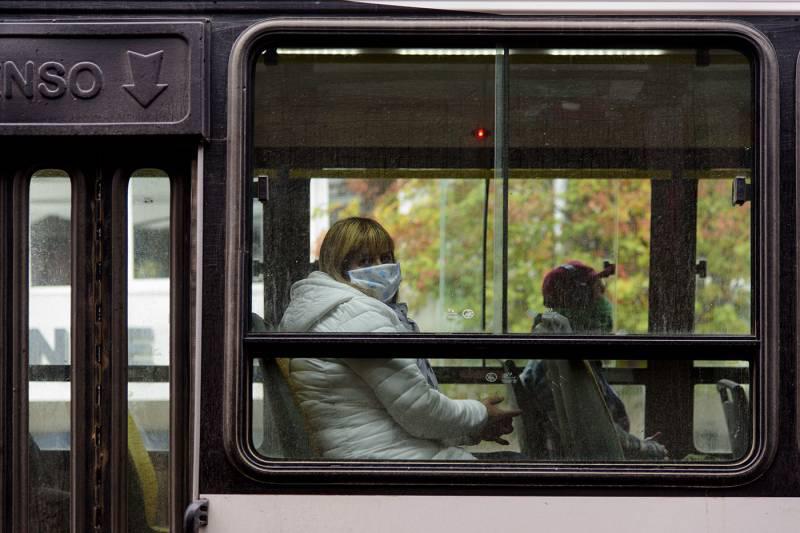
x=480, y=133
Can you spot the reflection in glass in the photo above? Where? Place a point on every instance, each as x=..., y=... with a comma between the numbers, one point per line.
x=729, y=433
x=628, y=156
x=148, y=349
x=623, y=158
x=387, y=135
x=722, y=300
x=593, y=221
x=49, y=322
x=401, y=409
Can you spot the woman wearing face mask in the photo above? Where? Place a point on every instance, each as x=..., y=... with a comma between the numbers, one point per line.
x=387, y=409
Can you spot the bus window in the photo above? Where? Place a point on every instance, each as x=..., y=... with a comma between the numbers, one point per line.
x=49, y=358
x=526, y=194
x=148, y=349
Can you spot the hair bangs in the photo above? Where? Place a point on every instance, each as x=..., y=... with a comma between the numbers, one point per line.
x=350, y=236
x=376, y=240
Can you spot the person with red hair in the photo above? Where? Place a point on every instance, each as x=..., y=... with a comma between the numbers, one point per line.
x=575, y=297
x=575, y=291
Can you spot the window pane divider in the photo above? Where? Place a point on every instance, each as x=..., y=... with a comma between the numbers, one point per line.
x=6, y=332
x=503, y=347
x=116, y=299
x=19, y=365
x=83, y=346
x=500, y=251
x=178, y=372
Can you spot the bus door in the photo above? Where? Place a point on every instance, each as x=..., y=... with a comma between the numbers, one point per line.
x=102, y=129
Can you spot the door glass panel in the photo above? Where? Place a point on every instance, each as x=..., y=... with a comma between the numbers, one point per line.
x=148, y=349
x=49, y=320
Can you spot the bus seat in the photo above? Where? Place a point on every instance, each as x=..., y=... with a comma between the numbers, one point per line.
x=737, y=415
x=532, y=424
x=258, y=325
x=143, y=500
x=287, y=435
x=584, y=430
x=587, y=430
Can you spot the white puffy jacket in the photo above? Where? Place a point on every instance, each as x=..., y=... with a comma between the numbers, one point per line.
x=371, y=408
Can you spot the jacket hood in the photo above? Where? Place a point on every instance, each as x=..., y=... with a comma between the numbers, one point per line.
x=312, y=298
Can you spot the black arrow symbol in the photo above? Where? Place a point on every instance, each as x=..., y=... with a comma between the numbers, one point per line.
x=145, y=70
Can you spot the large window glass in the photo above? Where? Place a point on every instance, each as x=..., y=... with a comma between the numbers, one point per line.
x=420, y=409
x=521, y=191
x=620, y=159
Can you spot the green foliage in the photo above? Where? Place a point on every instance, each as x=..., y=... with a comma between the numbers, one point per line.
x=722, y=302
x=438, y=224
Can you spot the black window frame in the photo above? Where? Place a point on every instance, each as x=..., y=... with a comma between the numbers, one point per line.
x=760, y=347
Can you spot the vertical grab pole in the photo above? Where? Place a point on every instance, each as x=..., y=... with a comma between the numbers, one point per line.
x=500, y=273
x=486, y=188
x=440, y=306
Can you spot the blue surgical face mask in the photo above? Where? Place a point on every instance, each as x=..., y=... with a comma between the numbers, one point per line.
x=381, y=281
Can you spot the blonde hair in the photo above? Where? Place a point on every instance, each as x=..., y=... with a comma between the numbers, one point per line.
x=348, y=237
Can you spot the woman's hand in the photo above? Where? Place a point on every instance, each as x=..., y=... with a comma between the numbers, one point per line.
x=498, y=421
